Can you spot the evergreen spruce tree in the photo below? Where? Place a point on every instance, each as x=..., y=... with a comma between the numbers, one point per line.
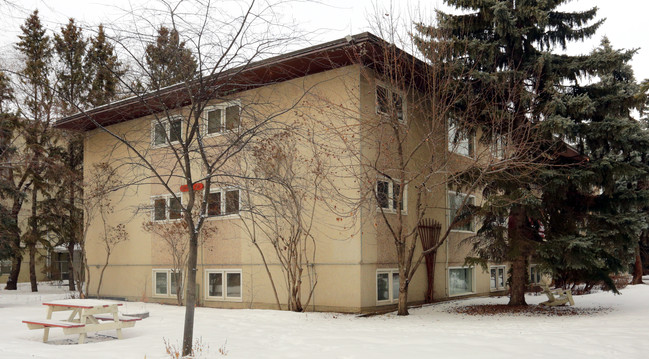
x=62, y=209
x=595, y=210
x=103, y=69
x=168, y=61
x=72, y=84
x=504, y=47
x=35, y=46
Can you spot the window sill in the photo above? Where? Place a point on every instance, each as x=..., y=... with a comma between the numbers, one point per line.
x=462, y=231
x=460, y=294
x=386, y=302
x=163, y=145
x=219, y=299
x=166, y=221
x=390, y=211
x=461, y=155
x=224, y=217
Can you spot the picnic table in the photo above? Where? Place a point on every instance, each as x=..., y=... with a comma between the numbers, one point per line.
x=86, y=315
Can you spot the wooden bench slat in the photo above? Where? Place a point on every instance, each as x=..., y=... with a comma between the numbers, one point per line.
x=54, y=323
x=122, y=318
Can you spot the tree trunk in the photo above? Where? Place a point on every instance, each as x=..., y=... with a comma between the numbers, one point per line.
x=402, y=306
x=190, y=302
x=516, y=232
x=101, y=274
x=12, y=281
x=71, y=275
x=518, y=281
x=32, y=267
x=637, y=268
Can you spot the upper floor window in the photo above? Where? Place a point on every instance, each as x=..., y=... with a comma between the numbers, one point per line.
x=460, y=202
x=460, y=141
x=387, y=195
x=498, y=146
x=222, y=117
x=223, y=202
x=389, y=103
x=166, y=207
x=162, y=131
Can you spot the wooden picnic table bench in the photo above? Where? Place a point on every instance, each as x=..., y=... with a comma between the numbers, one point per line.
x=85, y=318
x=556, y=296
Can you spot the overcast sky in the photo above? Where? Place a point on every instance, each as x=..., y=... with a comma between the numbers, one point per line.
x=327, y=20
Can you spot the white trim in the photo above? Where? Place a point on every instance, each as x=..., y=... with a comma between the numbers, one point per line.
x=454, y=149
x=168, y=272
x=473, y=224
x=390, y=90
x=223, y=191
x=391, y=295
x=448, y=278
x=498, y=288
x=167, y=198
x=224, y=283
x=220, y=106
x=391, y=205
x=166, y=124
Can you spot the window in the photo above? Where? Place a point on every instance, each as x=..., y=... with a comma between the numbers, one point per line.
x=387, y=195
x=497, y=277
x=165, y=281
x=216, y=206
x=167, y=207
x=535, y=274
x=387, y=286
x=171, y=129
x=460, y=281
x=224, y=284
x=222, y=117
x=455, y=201
x=498, y=146
x=5, y=266
x=460, y=141
x=389, y=103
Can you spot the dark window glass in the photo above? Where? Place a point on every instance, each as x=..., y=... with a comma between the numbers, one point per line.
x=214, y=121
x=234, y=285
x=232, y=202
x=159, y=134
x=232, y=118
x=216, y=284
x=175, y=130
x=159, y=209
x=214, y=204
x=395, y=197
x=382, y=100
x=382, y=194
x=175, y=208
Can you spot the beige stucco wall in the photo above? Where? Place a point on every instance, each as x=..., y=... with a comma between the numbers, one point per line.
x=349, y=239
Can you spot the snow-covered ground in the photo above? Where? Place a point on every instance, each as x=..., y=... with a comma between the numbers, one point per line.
x=435, y=331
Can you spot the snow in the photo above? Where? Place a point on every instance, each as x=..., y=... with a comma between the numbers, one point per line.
x=621, y=330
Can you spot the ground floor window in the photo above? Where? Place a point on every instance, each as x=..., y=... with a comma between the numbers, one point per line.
x=387, y=286
x=165, y=282
x=460, y=281
x=535, y=275
x=223, y=284
x=497, y=277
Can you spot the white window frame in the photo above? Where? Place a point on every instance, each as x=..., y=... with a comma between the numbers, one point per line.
x=392, y=208
x=390, y=91
x=450, y=219
x=166, y=123
x=498, y=146
x=224, y=275
x=220, y=106
x=223, y=215
x=392, y=297
x=448, y=280
x=168, y=272
x=167, y=198
x=498, y=287
x=456, y=147
x=534, y=268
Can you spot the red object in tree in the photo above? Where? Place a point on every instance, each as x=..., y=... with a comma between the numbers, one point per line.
x=184, y=188
x=197, y=186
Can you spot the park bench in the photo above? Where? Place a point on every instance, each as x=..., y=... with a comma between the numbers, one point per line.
x=556, y=296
